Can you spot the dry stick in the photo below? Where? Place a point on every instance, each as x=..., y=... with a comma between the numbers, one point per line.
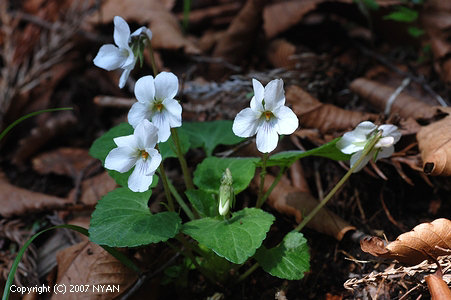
x=417, y=79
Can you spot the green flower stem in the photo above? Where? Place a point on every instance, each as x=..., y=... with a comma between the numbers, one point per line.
x=186, y=12
x=323, y=202
x=152, y=60
x=186, y=174
x=180, y=201
x=262, y=181
x=188, y=253
x=274, y=183
x=11, y=126
x=167, y=191
x=247, y=273
x=366, y=152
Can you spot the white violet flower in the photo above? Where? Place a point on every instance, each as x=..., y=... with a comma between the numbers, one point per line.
x=156, y=103
x=356, y=140
x=122, y=56
x=267, y=117
x=138, y=150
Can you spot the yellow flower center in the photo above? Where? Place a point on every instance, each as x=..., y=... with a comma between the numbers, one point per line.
x=159, y=106
x=268, y=115
x=144, y=154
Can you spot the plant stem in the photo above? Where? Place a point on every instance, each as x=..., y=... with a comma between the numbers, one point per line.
x=262, y=181
x=274, y=183
x=180, y=201
x=167, y=191
x=152, y=60
x=248, y=272
x=366, y=152
x=186, y=12
x=191, y=256
x=183, y=164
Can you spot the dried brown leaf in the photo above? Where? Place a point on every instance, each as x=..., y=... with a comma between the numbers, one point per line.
x=239, y=37
x=437, y=287
x=292, y=12
x=16, y=201
x=292, y=201
x=404, y=105
x=56, y=124
x=434, y=141
x=280, y=54
x=167, y=33
x=63, y=161
x=324, y=117
x=89, y=264
x=425, y=241
x=92, y=189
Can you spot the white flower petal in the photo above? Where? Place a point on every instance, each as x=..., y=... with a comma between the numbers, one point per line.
x=138, y=180
x=144, y=31
x=274, y=94
x=161, y=122
x=124, y=77
x=155, y=159
x=245, y=123
x=257, y=105
x=363, y=130
x=173, y=112
x=347, y=146
x=287, y=121
x=390, y=130
x=126, y=141
x=259, y=93
x=137, y=113
x=166, y=86
x=121, y=32
x=121, y=159
x=109, y=58
x=385, y=142
x=385, y=152
x=130, y=59
x=145, y=89
x=355, y=157
x=267, y=137
x=146, y=135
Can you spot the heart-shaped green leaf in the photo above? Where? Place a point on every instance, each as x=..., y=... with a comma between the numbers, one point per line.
x=208, y=173
x=289, y=260
x=123, y=219
x=205, y=204
x=235, y=239
x=210, y=134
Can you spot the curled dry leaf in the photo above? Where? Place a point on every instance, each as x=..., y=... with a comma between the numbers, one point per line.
x=16, y=201
x=377, y=94
x=437, y=287
x=292, y=201
x=89, y=264
x=240, y=36
x=434, y=141
x=63, y=161
x=425, y=241
x=324, y=117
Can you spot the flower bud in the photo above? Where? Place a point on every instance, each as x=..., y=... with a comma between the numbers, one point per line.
x=226, y=194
